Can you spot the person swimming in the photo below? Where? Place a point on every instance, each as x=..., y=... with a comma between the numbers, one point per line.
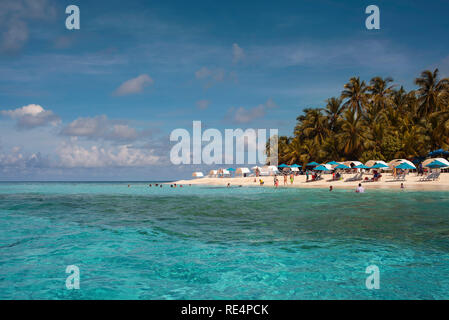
x=331, y=188
x=360, y=189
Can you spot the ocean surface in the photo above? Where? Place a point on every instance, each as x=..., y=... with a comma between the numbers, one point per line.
x=219, y=243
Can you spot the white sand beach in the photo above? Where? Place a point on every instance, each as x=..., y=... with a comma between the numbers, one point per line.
x=386, y=182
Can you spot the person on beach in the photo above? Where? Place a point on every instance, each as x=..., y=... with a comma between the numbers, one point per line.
x=261, y=182
x=420, y=169
x=285, y=179
x=307, y=175
x=360, y=189
x=292, y=178
x=402, y=186
x=229, y=184
x=276, y=183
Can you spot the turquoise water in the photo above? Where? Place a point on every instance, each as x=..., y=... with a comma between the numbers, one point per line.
x=219, y=243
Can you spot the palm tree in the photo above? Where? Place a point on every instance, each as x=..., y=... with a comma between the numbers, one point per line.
x=373, y=121
x=333, y=112
x=432, y=92
x=352, y=134
x=355, y=93
x=314, y=125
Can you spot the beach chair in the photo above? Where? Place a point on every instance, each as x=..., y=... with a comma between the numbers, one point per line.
x=429, y=177
x=436, y=176
x=356, y=177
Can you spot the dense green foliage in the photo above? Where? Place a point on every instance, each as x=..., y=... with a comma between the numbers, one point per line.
x=378, y=120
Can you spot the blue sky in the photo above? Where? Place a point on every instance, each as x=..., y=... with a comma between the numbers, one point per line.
x=105, y=98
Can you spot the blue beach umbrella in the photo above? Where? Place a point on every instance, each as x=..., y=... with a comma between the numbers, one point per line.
x=342, y=166
x=379, y=166
x=332, y=163
x=405, y=166
x=438, y=153
x=361, y=166
x=321, y=168
x=283, y=166
x=436, y=164
x=230, y=169
x=295, y=166
x=312, y=164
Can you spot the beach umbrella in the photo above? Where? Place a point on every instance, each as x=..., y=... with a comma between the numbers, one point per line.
x=312, y=164
x=342, y=166
x=361, y=166
x=321, y=168
x=230, y=169
x=405, y=166
x=333, y=163
x=197, y=174
x=379, y=166
x=436, y=164
x=438, y=152
x=283, y=166
x=295, y=166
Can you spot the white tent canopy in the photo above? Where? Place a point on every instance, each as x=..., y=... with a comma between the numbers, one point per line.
x=242, y=171
x=224, y=172
x=197, y=174
x=371, y=163
x=394, y=163
x=213, y=173
x=429, y=161
x=352, y=163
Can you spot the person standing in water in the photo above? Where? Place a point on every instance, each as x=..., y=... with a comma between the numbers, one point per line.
x=331, y=188
x=360, y=189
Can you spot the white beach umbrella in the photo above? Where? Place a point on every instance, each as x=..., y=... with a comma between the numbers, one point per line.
x=197, y=174
x=242, y=171
x=442, y=160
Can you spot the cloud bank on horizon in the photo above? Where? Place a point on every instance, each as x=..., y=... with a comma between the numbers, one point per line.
x=100, y=102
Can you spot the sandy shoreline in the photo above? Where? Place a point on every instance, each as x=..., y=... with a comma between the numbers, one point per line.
x=386, y=182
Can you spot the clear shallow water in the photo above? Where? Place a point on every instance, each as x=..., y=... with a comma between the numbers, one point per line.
x=219, y=243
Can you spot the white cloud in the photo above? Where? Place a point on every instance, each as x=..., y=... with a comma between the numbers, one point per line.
x=134, y=85
x=203, y=104
x=31, y=116
x=72, y=156
x=245, y=115
x=237, y=53
x=100, y=127
x=16, y=158
x=14, y=18
x=211, y=76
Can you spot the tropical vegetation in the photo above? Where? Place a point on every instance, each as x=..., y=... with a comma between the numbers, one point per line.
x=377, y=120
